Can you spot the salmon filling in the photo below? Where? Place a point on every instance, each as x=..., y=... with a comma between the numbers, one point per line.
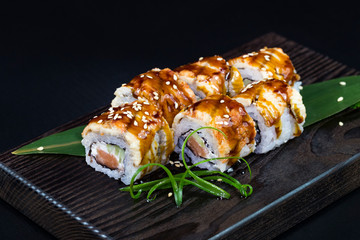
x=108, y=155
x=197, y=146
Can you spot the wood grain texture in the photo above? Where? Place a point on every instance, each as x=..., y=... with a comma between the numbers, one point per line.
x=70, y=200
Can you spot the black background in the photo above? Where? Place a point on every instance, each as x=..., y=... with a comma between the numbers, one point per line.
x=61, y=60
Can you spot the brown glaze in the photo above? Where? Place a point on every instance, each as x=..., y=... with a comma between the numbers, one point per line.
x=297, y=131
x=235, y=81
x=142, y=120
x=273, y=61
x=208, y=74
x=270, y=109
x=163, y=89
x=278, y=128
x=230, y=117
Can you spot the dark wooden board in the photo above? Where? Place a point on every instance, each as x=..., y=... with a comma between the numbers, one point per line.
x=70, y=200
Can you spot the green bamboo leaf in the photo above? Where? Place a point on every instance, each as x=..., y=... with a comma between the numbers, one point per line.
x=320, y=99
x=356, y=105
x=67, y=142
x=330, y=97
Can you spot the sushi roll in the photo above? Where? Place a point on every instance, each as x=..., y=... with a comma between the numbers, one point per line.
x=268, y=63
x=205, y=77
x=223, y=113
x=162, y=88
x=122, y=139
x=277, y=109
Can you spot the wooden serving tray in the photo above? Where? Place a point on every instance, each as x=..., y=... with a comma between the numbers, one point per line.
x=70, y=200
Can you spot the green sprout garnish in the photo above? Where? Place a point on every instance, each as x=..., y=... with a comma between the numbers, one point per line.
x=200, y=179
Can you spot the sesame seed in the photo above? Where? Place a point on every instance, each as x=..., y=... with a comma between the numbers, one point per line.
x=301, y=87
x=142, y=75
x=100, y=121
x=40, y=148
x=137, y=106
x=341, y=124
x=263, y=69
x=156, y=97
x=143, y=119
x=219, y=59
x=175, y=77
x=340, y=99
x=146, y=113
x=177, y=165
x=156, y=93
x=220, y=122
x=174, y=86
x=176, y=105
x=149, y=76
x=145, y=126
x=170, y=194
x=171, y=162
x=146, y=103
x=245, y=56
x=135, y=123
x=201, y=58
x=122, y=108
x=226, y=116
x=342, y=83
x=111, y=109
x=230, y=170
x=95, y=117
x=167, y=83
x=267, y=57
x=219, y=180
x=226, y=123
x=129, y=114
x=156, y=69
x=222, y=101
x=295, y=71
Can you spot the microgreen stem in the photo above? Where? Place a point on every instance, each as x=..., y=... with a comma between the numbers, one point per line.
x=201, y=178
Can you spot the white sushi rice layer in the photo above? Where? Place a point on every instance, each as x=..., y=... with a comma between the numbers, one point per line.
x=127, y=168
x=122, y=95
x=269, y=139
x=124, y=169
x=182, y=129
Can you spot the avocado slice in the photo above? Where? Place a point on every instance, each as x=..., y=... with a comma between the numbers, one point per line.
x=198, y=139
x=116, y=151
